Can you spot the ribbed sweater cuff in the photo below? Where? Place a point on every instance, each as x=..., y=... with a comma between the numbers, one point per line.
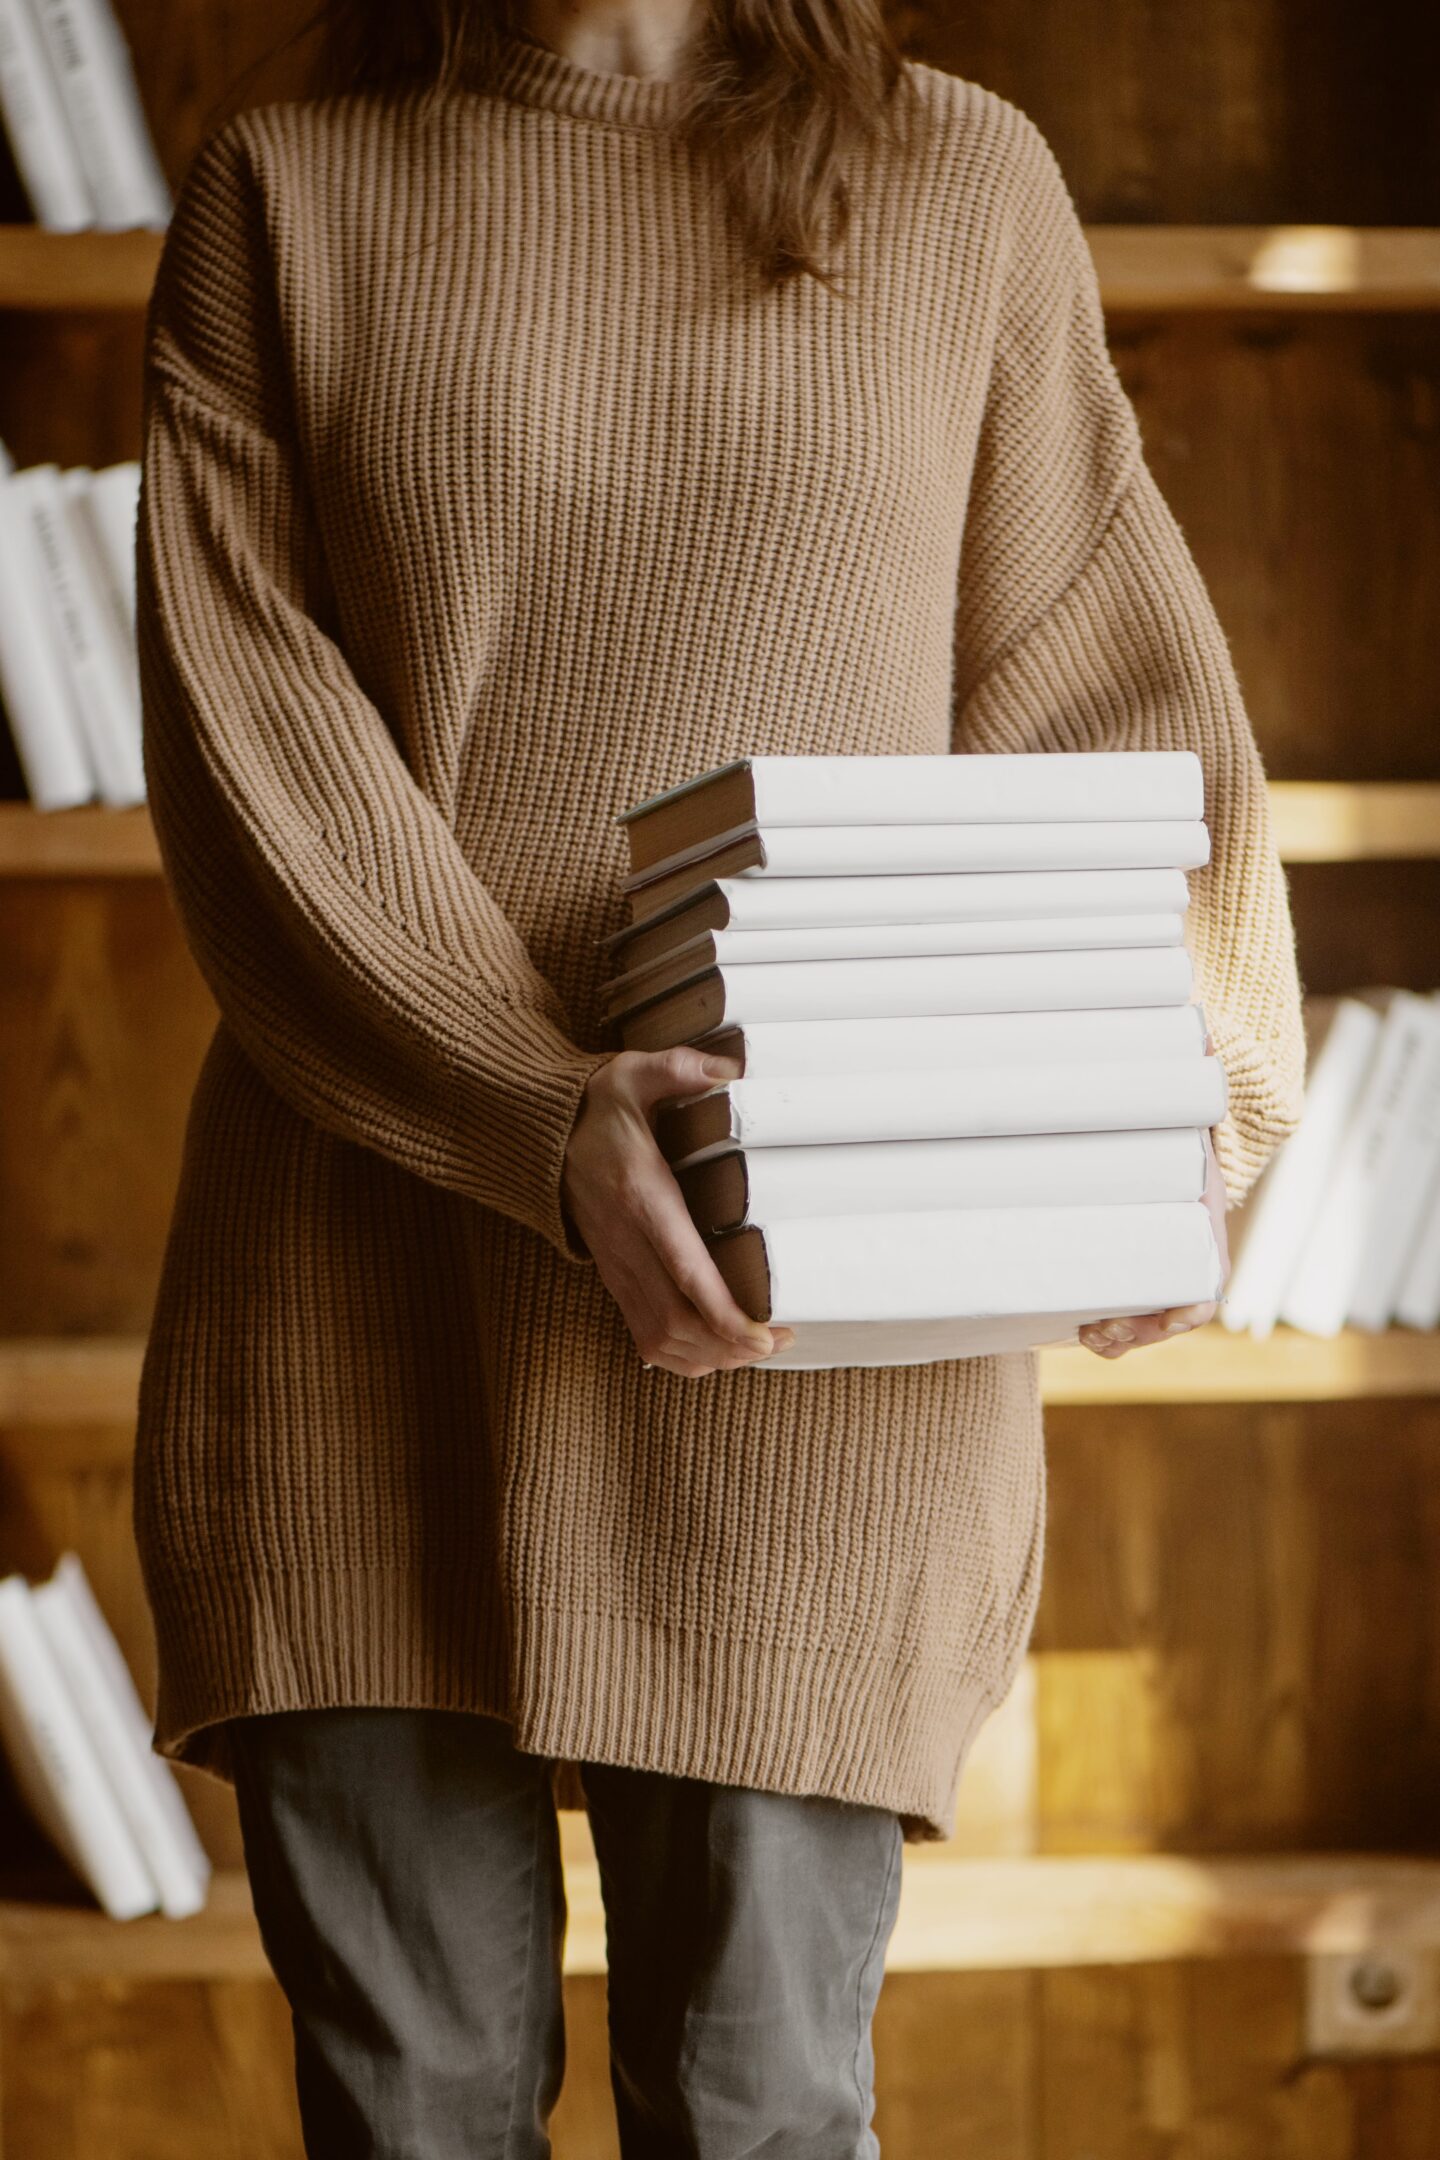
x=516, y=1128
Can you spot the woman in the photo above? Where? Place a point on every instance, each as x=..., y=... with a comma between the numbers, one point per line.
x=511, y=453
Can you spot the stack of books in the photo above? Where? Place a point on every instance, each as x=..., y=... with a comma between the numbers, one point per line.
x=72, y=112
x=78, y=1744
x=69, y=673
x=975, y=1080
x=1343, y=1229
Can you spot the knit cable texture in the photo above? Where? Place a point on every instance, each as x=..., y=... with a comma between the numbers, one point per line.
x=477, y=504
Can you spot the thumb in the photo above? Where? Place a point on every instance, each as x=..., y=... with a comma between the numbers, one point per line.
x=681, y=1071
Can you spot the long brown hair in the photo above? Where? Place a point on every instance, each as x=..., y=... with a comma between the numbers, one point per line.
x=781, y=98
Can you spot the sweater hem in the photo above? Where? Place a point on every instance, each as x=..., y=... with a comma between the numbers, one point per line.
x=597, y=1686
x=743, y=1710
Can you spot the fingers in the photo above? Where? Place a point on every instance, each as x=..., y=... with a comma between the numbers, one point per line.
x=687, y=1319
x=1112, y=1338
x=709, y=1314
x=632, y=1213
x=651, y=1076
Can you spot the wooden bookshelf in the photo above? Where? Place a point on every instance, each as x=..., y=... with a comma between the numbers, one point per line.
x=1316, y=821
x=956, y=1915
x=1215, y=1656
x=1165, y=269
x=87, y=1387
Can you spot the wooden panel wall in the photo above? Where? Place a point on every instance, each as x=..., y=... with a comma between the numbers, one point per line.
x=1132, y=2063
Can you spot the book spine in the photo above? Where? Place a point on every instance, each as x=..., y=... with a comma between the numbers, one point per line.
x=33, y=680
x=136, y=1719
x=1319, y=1295
x=57, y=1767
x=1418, y=1304
x=34, y=115
x=97, y=86
x=1283, y=1207
x=1400, y=1196
x=181, y=1892
x=112, y=737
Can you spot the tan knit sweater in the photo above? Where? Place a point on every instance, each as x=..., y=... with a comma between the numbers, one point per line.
x=474, y=509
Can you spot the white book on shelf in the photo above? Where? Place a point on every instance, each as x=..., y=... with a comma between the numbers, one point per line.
x=34, y=681
x=1013, y=1170
x=104, y=691
x=96, y=81
x=760, y=903
x=770, y=1049
x=1417, y=1303
x=114, y=505
x=1321, y=1289
x=94, y=1670
x=57, y=1766
x=950, y=788
x=1400, y=1203
x=39, y=133
x=909, y=1288
x=906, y=850
x=1290, y=1195
x=184, y=1835
x=993, y=1099
x=115, y=623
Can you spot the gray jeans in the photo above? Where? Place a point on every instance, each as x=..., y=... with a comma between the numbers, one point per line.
x=405, y=1866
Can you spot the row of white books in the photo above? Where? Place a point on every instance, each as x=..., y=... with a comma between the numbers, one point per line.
x=975, y=1084
x=69, y=676
x=78, y=1743
x=74, y=118
x=1343, y=1228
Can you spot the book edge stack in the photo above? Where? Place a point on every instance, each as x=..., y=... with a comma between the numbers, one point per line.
x=765, y=1133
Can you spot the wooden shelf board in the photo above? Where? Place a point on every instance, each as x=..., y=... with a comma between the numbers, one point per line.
x=42, y=270
x=88, y=1386
x=64, y=1381
x=1210, y=1365
x=91, y=842
x=1315, y=821
x=1330, y=821
x=1168, y=269
x=1148, y=268
x=956, y=1915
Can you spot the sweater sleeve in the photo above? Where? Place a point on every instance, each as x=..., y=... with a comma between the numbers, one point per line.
x=365, y=970
x=1082, y=623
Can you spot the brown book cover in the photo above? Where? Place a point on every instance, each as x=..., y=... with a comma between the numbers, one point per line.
x=676, y=1016
x=740, y=1257
x=716, y=1192
x=706, y=908
x=691, y=814
x=656, y=889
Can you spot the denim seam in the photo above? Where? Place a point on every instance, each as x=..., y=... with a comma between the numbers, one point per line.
x=865, y=1964
x=535, y=1879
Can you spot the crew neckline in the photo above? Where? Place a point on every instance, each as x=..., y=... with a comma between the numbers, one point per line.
x=530, y=73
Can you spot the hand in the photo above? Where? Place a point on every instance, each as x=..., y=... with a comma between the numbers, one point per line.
x=626, y=1204
x=1112, y=1338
